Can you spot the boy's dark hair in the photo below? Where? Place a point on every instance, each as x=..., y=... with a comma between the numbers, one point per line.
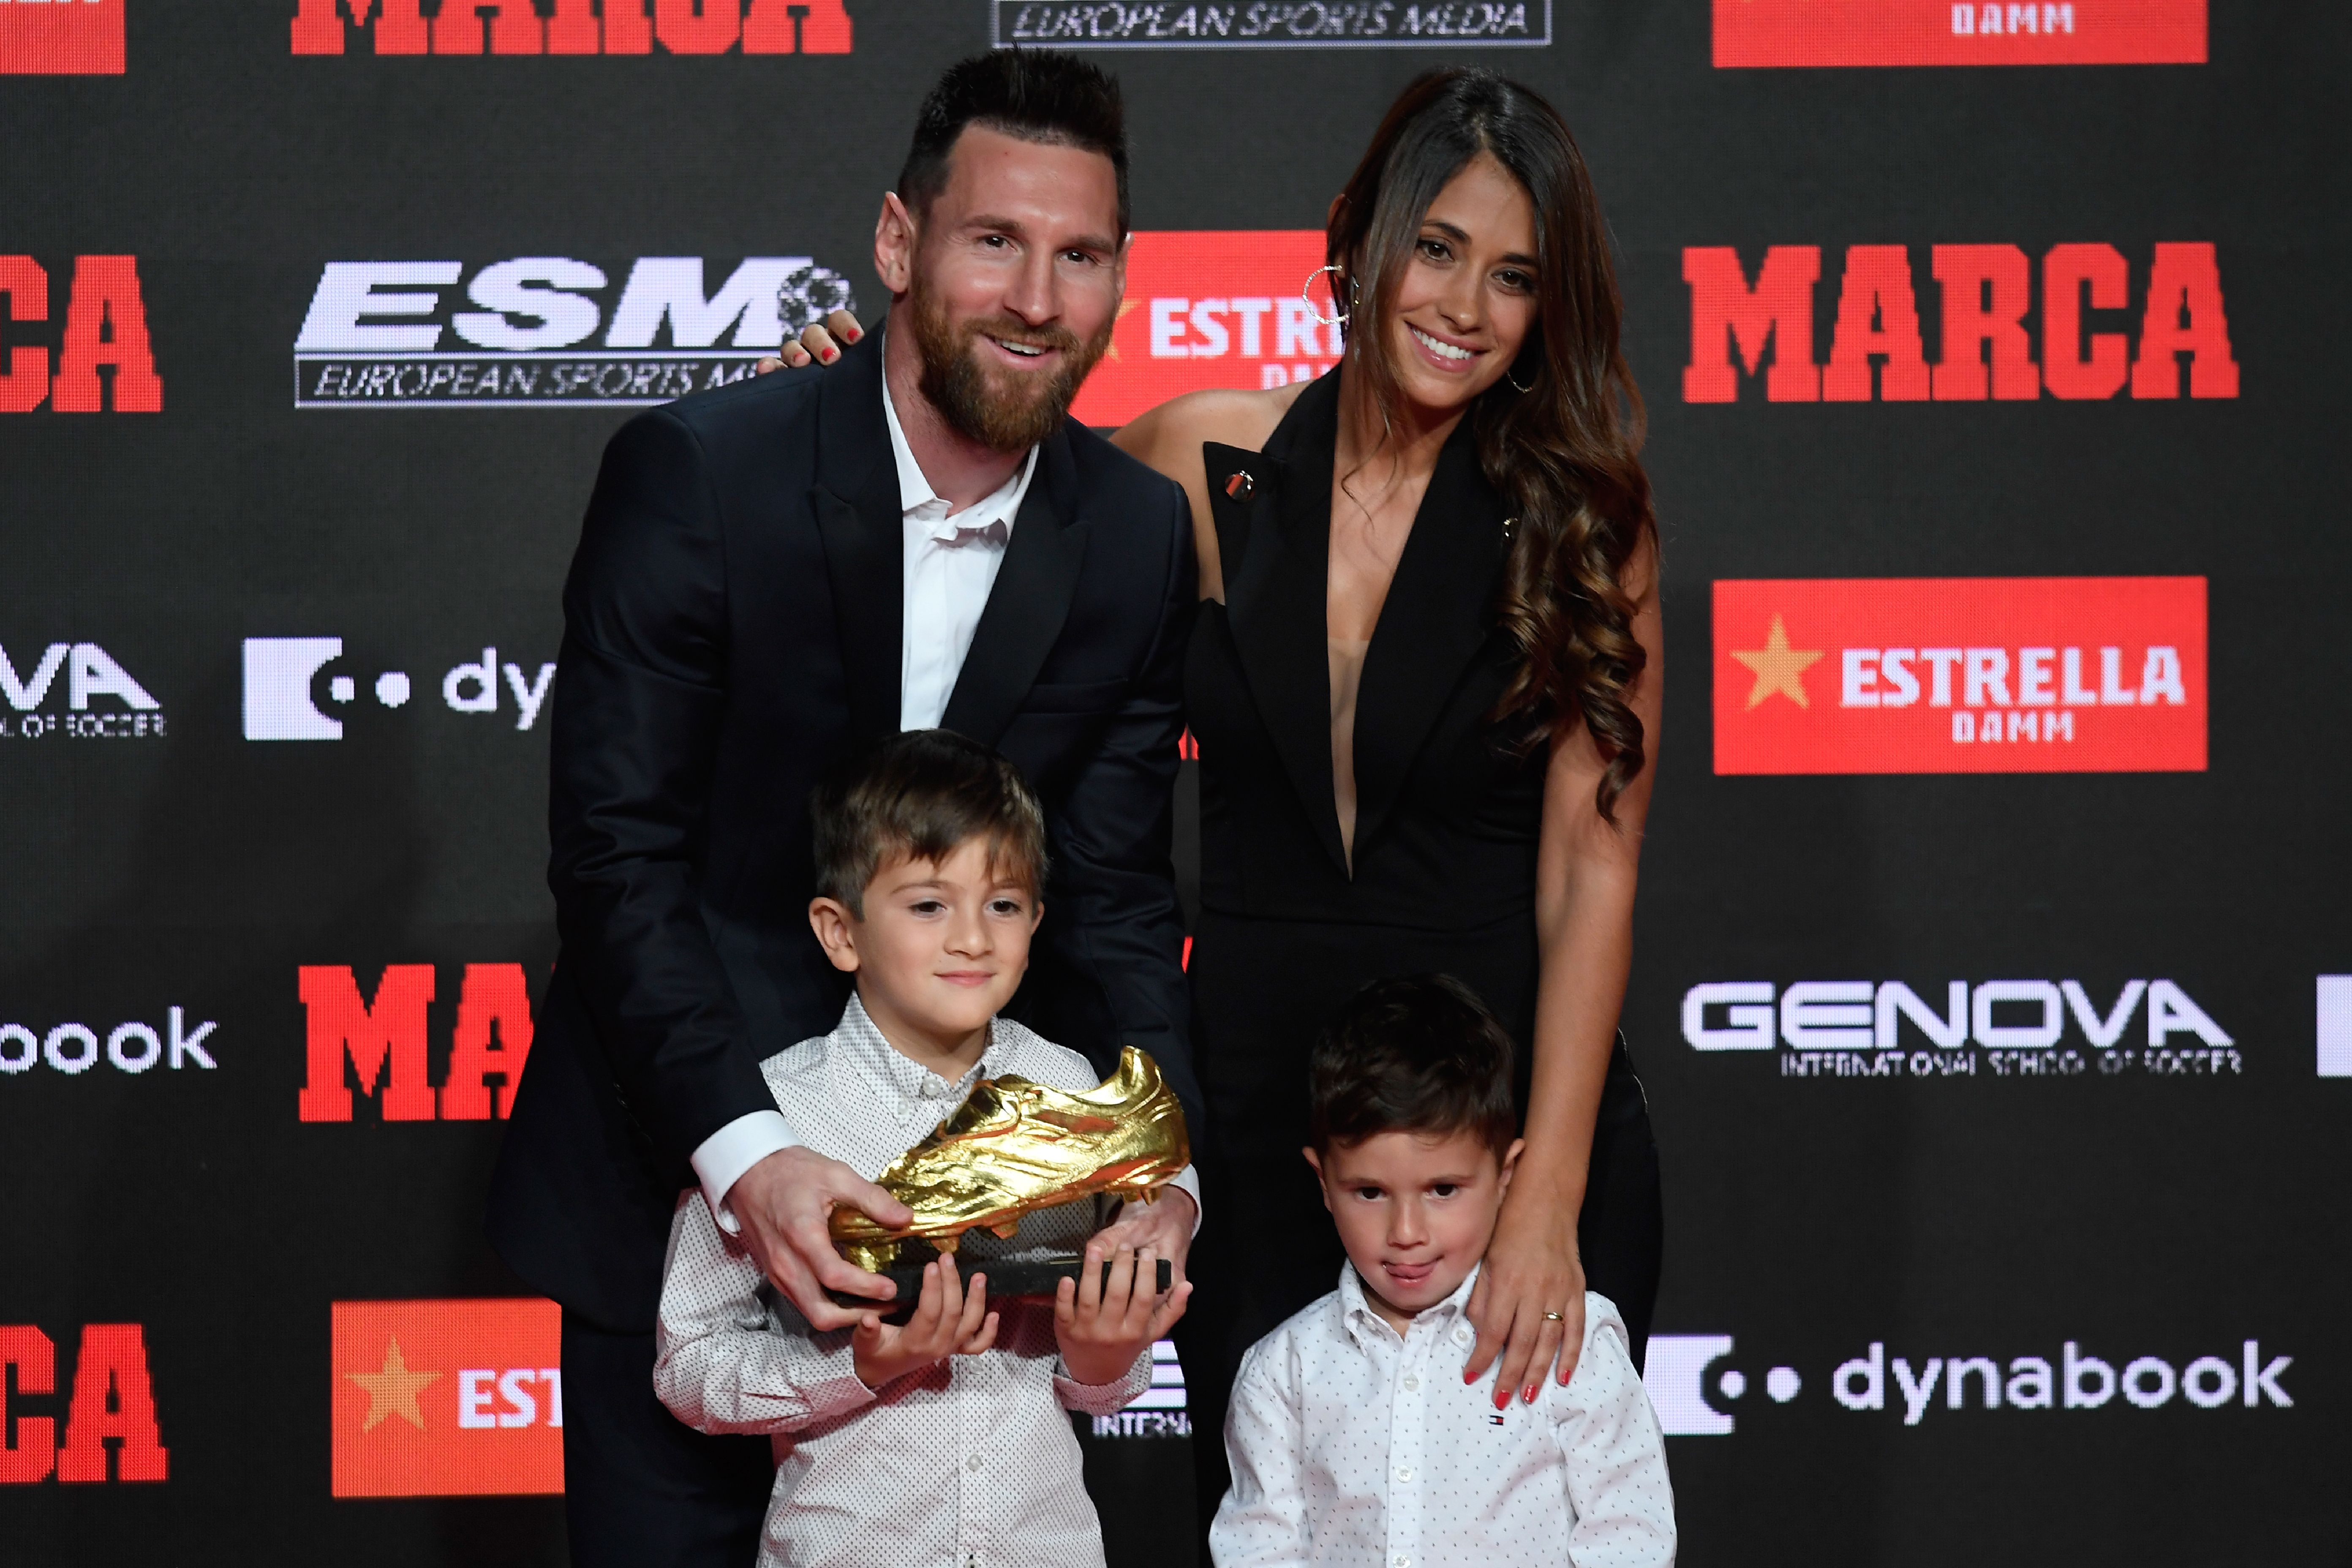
x=1415, y=1054
x=1036, y=95
x=922, y=795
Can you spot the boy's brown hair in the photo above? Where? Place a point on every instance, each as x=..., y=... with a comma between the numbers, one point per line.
x=1415, y=1054
x=922, y=795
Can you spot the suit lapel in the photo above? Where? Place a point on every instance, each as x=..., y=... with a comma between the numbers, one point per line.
x=1435, y=618
x=1027, y=605
x=1276, y=598
x=860, y=519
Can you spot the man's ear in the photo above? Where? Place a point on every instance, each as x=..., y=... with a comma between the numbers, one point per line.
x=1511, y=1162
x=837, y=932
x=894, y=244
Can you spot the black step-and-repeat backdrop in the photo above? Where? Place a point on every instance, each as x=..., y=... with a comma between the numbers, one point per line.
x=1995, y=985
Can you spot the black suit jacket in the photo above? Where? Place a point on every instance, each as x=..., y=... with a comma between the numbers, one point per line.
x=731, y=631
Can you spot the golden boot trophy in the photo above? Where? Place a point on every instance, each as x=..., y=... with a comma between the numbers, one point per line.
x=1013, y=1149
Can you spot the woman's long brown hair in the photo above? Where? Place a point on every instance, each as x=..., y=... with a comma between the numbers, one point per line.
x=1566, y=455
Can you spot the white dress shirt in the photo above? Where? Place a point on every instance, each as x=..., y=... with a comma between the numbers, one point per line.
x=1353, y=1445
x=970, y=1463
x=950, y=565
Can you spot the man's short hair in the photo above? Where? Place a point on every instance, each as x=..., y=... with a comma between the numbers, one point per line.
x=922, y=795
x=1036, y=95
x=1416, y=1054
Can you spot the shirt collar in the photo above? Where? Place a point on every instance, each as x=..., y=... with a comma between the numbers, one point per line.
x=917, y=496
x=1356, y=1313
x=860, y=1040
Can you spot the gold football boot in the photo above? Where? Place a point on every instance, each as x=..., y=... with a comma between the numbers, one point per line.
x=1014, y=1147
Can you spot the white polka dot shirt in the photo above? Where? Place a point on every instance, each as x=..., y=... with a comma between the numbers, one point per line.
x=970, y=1463
x=1353, y=1445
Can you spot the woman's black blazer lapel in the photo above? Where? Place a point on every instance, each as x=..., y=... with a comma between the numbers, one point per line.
x=1274, y=546
x=1439, y=613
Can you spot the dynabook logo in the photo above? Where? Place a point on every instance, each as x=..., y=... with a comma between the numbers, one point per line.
x=1695, y=1384
x=577, y=27
x=1958, y=32
x=1265, y=23
x=447, y=1398
x=1214, y=309
x=286, y=677
x=1987, y=293
x=2006, y=1029
x=112, y=1405
x=384, y=1042
x=133, y=1047
x=374, y=334
x=61, y=38
x=34, y=697
x=1960, y=675
x=105, y=329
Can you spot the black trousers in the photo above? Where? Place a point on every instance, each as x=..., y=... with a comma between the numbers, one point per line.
x=641, y=1488
x=1266, y=1249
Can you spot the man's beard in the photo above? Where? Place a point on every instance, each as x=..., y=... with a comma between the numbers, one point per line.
x=1003, y=410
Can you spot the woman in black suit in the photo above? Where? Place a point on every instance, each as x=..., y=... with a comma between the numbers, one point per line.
x=1425, y=685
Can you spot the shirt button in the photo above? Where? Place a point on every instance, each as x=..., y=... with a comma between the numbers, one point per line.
x=933, y=1089
x=1461, y=1336
x=1401, y=1560
x=974, y=1462
x=1404, y=1472
x=1411, y=1384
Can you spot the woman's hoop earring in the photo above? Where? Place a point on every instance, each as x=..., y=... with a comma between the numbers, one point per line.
x=1515, y=385
x=1340, y=320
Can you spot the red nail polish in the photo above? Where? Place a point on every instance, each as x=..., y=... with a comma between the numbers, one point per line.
x=830, y=355
x=1531, y=1394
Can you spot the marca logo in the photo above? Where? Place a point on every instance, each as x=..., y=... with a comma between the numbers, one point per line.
x=1209, y=308
x=105, y=327
x=1951, y=675
x=577, y=27
x=1987, y=292
x=374, y=334
x=447, y=1398
x=1958, y=33
x=90, y=673
x=61, y=38
x=2012, y=1028
x=286, y=677
x=131, y=1047
x=1695, y=1384
x=384, y=1042
x=112, y=1403
x=1316, y=24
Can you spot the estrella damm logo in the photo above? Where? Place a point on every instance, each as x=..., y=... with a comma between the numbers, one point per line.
x=1959, y=31
x=447, y=1398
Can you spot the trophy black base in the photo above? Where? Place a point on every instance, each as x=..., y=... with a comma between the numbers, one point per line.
x=1029, y=1274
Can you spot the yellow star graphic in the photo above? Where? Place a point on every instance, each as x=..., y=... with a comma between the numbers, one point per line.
x=392, y=1391
x=1778, y=668
x=1124, y=307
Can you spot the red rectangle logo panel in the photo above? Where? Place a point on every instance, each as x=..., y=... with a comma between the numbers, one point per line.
x=61, y=38
x=1958, y=33
x=447, y=1398
x=1213, y=309
x=1960, y=675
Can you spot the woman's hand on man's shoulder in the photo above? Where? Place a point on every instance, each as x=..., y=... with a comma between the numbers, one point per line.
x=817, y=344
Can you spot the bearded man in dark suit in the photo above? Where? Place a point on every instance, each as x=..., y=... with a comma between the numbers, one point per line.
x=770, y=577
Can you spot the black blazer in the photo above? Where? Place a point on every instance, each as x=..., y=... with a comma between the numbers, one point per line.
x=731, y=630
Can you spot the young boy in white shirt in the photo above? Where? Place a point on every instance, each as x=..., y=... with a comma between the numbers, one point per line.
x=941, y=1440
x=1353, y=1437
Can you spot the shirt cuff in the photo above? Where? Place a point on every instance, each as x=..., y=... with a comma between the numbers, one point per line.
x=1188, y=1181
x=1102, y=1398
x=734, y=1149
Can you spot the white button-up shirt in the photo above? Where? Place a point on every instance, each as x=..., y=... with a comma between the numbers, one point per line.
x=950, y=565
x=970, y=1463
x=1351, y=1444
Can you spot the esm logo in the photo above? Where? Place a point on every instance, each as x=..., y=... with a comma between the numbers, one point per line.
x=577, y=27
x=540, y=332
x=105, y=329
x=1986, y=348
